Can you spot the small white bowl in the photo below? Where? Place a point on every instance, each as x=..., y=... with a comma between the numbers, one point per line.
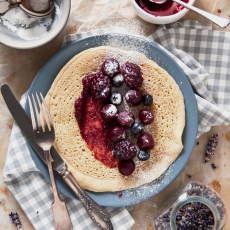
x=11, y=39
x=159, y=19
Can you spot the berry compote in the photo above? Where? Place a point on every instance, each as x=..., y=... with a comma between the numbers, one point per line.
x=165, y=9
x=92, y=126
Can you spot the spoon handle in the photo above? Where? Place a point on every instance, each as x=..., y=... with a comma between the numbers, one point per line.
x=222, y=22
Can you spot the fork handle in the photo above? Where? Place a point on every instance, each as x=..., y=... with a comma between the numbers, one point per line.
x=60, y=213
x=99, y=215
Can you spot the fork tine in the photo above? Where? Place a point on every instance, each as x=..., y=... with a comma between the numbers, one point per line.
x=42, y=114
x=37, y=115
x=32, y=114
x=47, y=112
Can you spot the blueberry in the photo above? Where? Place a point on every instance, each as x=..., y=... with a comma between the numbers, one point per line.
x=143, y=155
x=116, y=98
x=147, y=100
x=118, y=80
x=137, y=128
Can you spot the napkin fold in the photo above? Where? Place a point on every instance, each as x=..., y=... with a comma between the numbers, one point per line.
x=204, y=56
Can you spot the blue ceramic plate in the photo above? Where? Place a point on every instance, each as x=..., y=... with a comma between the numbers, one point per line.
x=49, y=71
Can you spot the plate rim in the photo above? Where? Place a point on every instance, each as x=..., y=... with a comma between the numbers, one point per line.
x=102, y=202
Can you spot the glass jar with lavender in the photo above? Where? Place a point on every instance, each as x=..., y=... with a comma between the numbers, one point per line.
x=194, y=206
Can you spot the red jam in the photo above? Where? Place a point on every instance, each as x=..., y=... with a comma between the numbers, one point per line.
x=165, y=9
x=93, y=128
x=120, y=195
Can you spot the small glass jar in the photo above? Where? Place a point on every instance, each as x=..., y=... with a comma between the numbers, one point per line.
x=192, y=191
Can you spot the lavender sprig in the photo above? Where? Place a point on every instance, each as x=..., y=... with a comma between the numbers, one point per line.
x=211, y=147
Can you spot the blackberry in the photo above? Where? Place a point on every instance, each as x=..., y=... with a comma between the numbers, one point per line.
x=125, y=119
x=132, y=74
x=100, y=85
x=124, y=150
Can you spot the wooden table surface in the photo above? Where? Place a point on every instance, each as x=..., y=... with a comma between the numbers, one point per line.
x=19, y=67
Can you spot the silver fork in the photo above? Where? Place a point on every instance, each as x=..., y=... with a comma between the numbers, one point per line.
x=44, y=136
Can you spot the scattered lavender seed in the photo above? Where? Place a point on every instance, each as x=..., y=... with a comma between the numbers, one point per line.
x=214, y=166
x=37, y=212
x=197, y=143
x=15, y=220
x=189, y=175
x=211, y=147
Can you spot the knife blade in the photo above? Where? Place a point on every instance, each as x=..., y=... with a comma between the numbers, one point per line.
x=98, y=215
x=24, y=123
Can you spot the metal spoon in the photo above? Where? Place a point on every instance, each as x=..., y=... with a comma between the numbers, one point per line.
x=34, y=8
x=222, y=22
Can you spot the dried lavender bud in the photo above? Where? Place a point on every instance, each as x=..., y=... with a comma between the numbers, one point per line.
x=15, y=220
x=214, y=166
x=37, y=212
x=197, y=143
x=189, y=175
x=194, y=215
x=211, y=147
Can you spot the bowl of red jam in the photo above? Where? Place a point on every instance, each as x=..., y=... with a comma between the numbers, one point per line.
x=165, y=13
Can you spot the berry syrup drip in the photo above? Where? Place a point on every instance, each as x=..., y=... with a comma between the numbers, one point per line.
x=93, y=128
x=165, y=9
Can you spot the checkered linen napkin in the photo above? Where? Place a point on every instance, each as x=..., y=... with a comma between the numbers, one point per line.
x=203, y=54
x=34, y=192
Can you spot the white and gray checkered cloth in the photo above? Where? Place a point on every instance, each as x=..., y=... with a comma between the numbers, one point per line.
x=203, y=54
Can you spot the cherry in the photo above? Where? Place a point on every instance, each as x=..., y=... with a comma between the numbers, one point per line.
x=116, y=134
x=133, y=96
x=145, y=142
x=126, y=167
x=146, y=117
x=109, y=112
x=110, y=67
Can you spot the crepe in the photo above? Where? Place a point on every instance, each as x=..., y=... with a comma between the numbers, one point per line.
x=169, y=120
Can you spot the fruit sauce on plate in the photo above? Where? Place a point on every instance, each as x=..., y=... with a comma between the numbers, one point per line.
x=165, y=9
x=92, y=126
